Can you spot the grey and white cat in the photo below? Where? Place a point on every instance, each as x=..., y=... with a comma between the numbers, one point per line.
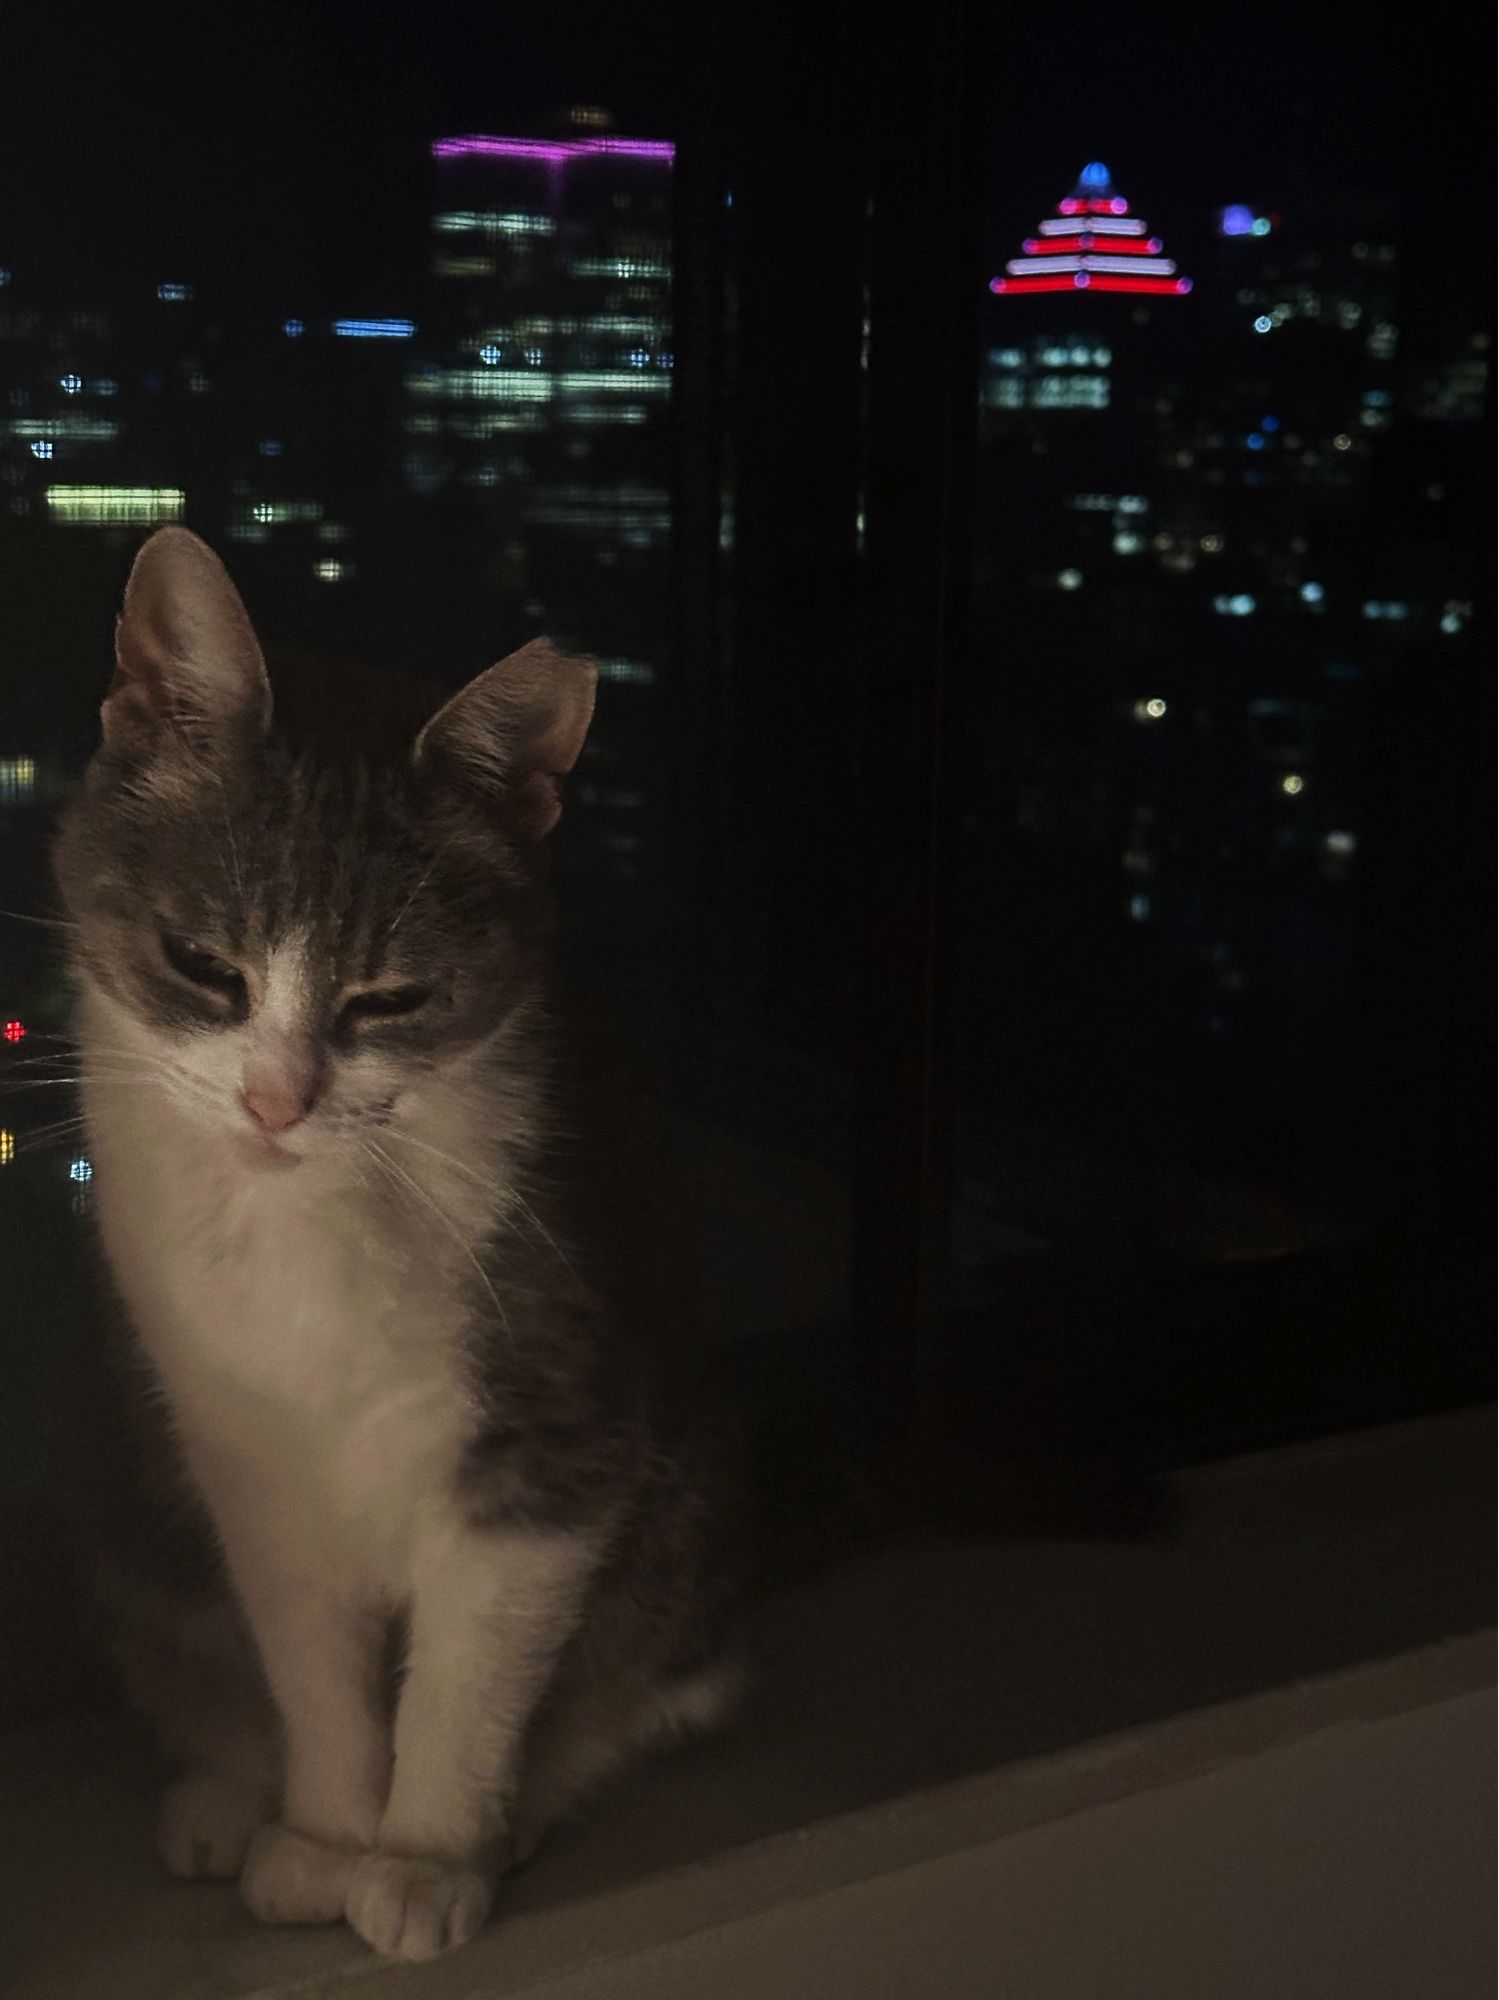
x=412, y=1543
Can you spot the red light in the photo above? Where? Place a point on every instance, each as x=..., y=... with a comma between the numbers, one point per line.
x=1060, y=281
x=1093, y=281
x=14, y=1031
x=1106, y=246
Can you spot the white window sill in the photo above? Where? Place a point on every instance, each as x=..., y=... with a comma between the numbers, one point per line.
x=1246, y=1760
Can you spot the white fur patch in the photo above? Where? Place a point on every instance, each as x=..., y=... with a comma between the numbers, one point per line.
x=307, y=1322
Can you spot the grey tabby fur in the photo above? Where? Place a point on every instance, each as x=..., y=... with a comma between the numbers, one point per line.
x=233, y=832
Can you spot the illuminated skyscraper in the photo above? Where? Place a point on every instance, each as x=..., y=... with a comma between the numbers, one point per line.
x=1191, y=583
x=537, y=415
x=1092, y=243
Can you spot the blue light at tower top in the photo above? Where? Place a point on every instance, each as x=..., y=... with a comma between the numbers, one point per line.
x=1237, y=220
x=374, y=329
x=1095, y=175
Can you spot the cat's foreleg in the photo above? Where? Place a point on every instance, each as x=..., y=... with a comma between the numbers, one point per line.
x=490, y=1615
x=322, y=1658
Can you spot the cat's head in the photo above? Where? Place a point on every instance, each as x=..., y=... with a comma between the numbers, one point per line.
x=289, y=926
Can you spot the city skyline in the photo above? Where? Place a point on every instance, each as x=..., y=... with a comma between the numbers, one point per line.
x=1212, y=674
x=321, y=113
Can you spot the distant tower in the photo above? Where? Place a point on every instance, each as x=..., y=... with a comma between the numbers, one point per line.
x=1092, y=243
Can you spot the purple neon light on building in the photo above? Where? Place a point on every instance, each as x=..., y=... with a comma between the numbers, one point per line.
x=555, y=151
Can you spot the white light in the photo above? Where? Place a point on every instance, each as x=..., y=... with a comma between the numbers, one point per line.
x=1264, y=324
x=113, y=506
x=1069, y=579
x=1239, y=605
x=1312, y=593
x=637, y=671
x=1292, y=783
x=1340, y=843
x=1139, y=908
x=17, y=778
x=1150, y=709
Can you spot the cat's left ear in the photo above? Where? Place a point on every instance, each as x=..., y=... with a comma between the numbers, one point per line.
x=187, y=662
x=515, y=732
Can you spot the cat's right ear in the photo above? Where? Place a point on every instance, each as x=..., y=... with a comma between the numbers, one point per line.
x=187, y=663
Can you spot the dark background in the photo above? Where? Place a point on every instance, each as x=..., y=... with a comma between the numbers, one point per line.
x=277, y=152
x=819, y=901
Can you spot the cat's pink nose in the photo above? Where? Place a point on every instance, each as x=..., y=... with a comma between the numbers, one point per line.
x=275, y=1110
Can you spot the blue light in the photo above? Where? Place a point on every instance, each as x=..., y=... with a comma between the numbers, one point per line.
x=1236, y=221
x=71, y=384
x=489, y=355
x=1260, y=226
x=1270, y=424
x=374, y=329
x=1095, y=175
x=174, y=294
x=1264, y=324
x=42, y=448
x=1255, y=441
x=1312, y=593
x=270, y=447
x=81, y=1169
x=293, y=328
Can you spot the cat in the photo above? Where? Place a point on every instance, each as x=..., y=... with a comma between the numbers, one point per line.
x=416, y=1531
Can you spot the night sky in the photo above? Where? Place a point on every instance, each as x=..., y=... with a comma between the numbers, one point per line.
x=283, y=156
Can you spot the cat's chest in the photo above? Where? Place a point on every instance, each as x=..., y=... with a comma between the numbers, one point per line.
x=312, y=1357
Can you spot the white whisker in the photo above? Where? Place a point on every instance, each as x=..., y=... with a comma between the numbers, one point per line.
x=378, y=1153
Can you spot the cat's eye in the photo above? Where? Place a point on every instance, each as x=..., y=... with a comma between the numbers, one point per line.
x=384, y=1003
x=202, y=968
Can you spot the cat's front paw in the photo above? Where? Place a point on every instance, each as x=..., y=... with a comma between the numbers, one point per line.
x=206, y=1824
x=289, y=1878
x=408, y=1907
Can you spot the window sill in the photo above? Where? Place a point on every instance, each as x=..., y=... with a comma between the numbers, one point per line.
x=940, y=1733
